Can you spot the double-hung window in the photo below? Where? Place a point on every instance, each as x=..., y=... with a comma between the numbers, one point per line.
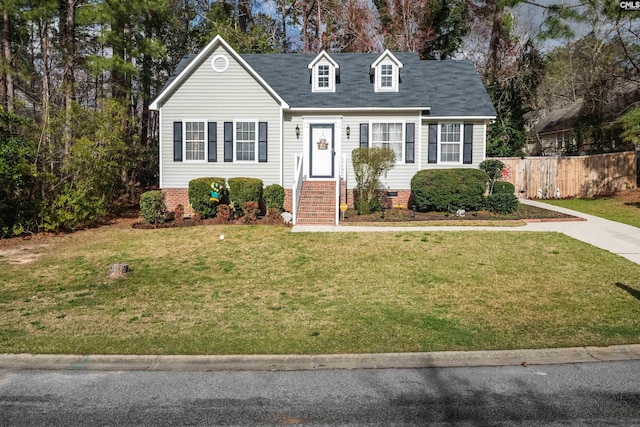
x=246, y=141
x=323, y=76
x=388, y=135
x=450, y=142
x=194, y=139
x=386, y=76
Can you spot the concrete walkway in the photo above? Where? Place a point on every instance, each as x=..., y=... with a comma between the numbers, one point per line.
x=615, y=237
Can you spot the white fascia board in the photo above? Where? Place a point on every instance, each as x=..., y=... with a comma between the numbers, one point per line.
x=458, y=117
x=387, y=53
x=217, y=40
x=391, y=109
x=325, y=55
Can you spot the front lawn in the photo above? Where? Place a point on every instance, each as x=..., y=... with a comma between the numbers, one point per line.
x=623, y=207
x=266, y=290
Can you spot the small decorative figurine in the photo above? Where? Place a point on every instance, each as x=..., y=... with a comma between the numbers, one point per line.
x=215, y=193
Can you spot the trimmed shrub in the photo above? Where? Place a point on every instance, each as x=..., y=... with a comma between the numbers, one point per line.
x=152, y=207
x=272, y=216
x=251, y=211
x=243, y=190
x=200, y=196
x=502, y=203
x=274, y=197
x=504, y=187
x=447, y=190
x=224, y=214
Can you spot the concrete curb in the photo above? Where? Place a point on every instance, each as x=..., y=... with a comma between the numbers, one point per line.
x=321, y=362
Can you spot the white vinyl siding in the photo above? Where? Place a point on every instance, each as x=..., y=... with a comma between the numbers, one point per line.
x=478, y=149
x=398, y=178
x=450, y=143
x=220, y=97
x=246, y=140
x=194, y=141
x=389, y=135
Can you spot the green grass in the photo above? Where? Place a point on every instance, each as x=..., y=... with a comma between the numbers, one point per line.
x=264, y=290
x=618, y=209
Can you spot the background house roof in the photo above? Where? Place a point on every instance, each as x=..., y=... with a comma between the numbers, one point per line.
x=448, y=88
x=559, y=120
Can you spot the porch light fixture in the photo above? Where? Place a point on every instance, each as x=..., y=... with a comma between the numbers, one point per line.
x=348, y=131
x=297, y=132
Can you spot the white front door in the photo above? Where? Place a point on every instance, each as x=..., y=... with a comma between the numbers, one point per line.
x=321, y=150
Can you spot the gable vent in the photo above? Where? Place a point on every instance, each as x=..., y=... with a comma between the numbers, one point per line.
x=220, y=63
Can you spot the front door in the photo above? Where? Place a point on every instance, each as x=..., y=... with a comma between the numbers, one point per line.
x=322, y=150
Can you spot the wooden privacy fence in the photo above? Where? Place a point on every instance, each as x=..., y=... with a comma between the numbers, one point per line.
x=571, y=176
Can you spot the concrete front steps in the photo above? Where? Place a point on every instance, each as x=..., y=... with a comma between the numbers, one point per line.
x=317, y=203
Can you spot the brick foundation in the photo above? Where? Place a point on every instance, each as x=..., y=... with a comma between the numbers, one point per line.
x=177, y=196
x=180, y=196
x=403, y=199
x=288, y=200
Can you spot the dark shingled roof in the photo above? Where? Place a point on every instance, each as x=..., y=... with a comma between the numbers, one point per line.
x=449, y=88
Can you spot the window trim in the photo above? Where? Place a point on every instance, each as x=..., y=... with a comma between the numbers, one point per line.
x=394, y=77
x=460, y=144
x=386, y=58
x=316, y=77
x=403, y=139
x=235, y=141
x=184, y=140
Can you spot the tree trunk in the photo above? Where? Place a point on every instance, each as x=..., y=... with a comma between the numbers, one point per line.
x=494, y=43
x=67, y=38
x=6, y=51
x=45, y=139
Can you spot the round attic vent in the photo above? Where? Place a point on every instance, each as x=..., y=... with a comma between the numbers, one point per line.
x=220, y=63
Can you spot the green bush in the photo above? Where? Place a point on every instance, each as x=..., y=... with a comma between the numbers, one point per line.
x=446, y=190
x=200, y=196
x=502, y=203
x=243, y=190
x=152, y=207
x=503, y=187
x=274, y=197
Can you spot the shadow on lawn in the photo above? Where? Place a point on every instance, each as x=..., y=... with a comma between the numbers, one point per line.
x=634, y=293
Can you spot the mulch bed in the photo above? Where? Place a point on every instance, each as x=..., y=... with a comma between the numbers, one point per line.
x=188, y=222
x=524, y=212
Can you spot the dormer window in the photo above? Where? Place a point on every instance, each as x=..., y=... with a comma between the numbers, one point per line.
x=386, y=71
x=323, y=76
x=386, y=76
x=324, y=71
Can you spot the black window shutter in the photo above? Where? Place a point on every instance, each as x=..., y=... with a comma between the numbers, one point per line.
x=228, y=141
x=433, y=143
x=262, y=141
x=409, y=150
x=177, y=141
x=467, y=148
x=364, y=135
x=213, y=142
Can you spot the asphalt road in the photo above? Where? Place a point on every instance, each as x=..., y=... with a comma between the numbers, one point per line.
x=572, y=394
